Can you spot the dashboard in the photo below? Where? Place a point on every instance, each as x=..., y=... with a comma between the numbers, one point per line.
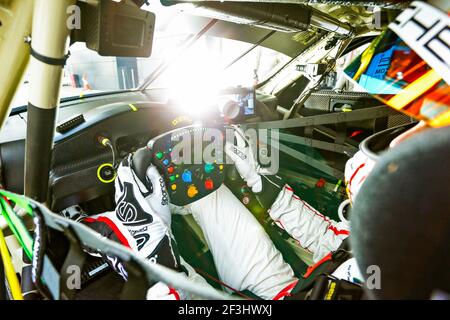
x=79, y=170
x=76, y=174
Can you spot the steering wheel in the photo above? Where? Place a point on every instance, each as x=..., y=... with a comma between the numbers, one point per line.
x=190, y=159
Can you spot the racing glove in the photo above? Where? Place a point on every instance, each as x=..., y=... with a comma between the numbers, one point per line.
x=264, y=184
x=245, y=161
x=141, y=221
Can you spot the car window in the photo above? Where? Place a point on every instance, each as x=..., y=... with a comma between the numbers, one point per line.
x=203, y=65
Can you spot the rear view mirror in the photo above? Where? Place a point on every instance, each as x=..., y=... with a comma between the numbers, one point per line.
x=116, y=29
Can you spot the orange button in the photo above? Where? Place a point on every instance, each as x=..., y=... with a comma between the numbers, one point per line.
x=192, y=191
x=170, y=169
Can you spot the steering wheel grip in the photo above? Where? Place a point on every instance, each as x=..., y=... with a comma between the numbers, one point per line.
x=140, y=162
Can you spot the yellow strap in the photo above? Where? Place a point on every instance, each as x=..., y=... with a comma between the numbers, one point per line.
x=414, y=90
x=330, y=291
x=366, y=57
x=11, y=275
x=133, y=107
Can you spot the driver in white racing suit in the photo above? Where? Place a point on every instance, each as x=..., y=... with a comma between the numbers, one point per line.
x=244, y=255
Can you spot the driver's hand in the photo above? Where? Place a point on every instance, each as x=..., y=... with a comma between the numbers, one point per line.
x=158, y=199
x=141, y=220
x=244, y=160
x=141, y=202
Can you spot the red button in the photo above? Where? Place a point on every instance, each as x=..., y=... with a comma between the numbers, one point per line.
x=209, y=184
x=170, y=169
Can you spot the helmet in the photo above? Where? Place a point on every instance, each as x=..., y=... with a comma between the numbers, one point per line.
x=407, y=67
x=400, y=222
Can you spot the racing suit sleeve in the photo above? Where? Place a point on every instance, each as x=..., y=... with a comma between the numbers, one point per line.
x=314, y=232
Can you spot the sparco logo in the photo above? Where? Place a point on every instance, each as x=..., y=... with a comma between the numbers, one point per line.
x=133, y=232
x=239, y=153
x=126, y=212
x=129, y=210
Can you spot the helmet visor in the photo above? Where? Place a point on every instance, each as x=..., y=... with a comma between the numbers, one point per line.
x=403, y=72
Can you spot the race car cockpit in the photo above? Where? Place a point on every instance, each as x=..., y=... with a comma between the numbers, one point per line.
x=107, y=85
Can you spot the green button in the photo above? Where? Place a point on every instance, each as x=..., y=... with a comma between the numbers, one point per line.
x=209, y=167
x=172, y=178
x=159, y=155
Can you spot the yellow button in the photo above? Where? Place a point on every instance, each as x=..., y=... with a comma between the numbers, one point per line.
x=173, y=187
x=221, y=167
x=192, y=191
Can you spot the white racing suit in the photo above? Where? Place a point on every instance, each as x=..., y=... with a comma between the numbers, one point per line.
x=244, y=255
x=141, y=222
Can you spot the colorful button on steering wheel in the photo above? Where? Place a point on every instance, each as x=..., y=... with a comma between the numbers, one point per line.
x=187, y=176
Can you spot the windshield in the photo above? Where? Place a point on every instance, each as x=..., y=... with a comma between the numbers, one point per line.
x=209, y=62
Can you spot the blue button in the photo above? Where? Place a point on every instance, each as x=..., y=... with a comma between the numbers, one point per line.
x=187, y=176
x=166, y=162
